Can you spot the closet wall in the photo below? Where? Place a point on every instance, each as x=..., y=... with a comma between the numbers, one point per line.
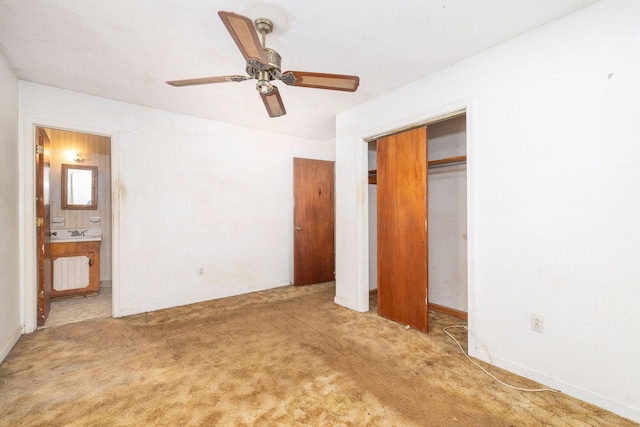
x=373, y=223
x=447, y=189
x=447, y=192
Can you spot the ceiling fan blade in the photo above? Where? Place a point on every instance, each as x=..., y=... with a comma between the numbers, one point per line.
x=273, y=103
x=244, y=34
x=207, y=80
x=321, y=80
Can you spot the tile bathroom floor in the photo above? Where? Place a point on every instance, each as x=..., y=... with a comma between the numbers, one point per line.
x=72, y=310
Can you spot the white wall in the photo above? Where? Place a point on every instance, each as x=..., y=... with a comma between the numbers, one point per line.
x=553, y=170
x=10, y=329
x=188, y=193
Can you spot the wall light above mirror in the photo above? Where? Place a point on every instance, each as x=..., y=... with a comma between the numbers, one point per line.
x=73, y=155
x=79, y=187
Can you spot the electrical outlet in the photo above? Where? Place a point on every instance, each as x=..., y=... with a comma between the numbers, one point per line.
x=537, y=323
x=200, y=271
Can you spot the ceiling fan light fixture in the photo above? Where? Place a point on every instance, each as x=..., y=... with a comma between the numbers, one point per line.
x=264, y=85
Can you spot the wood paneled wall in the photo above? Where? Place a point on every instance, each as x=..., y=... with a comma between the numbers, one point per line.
x=96, y=151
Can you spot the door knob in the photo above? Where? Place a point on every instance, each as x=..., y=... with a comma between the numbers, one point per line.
x=298, y=228
x=53, y=233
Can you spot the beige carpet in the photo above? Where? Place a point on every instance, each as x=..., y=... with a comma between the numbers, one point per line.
x=284, y=357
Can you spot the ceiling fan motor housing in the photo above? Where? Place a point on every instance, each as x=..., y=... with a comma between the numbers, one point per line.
x=274, y=62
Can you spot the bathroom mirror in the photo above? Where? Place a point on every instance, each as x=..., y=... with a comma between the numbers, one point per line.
x=79, y=187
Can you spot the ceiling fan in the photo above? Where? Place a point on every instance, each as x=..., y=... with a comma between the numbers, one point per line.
x=263, y=64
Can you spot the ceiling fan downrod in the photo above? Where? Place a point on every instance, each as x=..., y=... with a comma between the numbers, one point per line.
x=265, y=26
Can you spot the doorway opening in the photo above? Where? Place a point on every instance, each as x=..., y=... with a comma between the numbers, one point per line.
x=446, y=209
x=77, y=223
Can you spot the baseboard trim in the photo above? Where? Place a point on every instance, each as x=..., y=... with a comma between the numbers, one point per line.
x=346, y=303
x=170, y=303
x=448, y=311
x=9, y=345
x=620, y=408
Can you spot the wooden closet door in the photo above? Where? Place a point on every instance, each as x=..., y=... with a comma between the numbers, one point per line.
x=402, y=228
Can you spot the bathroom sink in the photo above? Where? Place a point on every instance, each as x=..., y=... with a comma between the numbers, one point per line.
x=64, y=235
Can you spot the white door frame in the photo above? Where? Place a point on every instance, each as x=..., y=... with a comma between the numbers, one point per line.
x=27, y=215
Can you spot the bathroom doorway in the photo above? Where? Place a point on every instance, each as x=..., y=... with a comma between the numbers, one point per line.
x=78, y=247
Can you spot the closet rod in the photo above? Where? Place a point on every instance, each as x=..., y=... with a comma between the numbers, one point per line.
x=448, y=161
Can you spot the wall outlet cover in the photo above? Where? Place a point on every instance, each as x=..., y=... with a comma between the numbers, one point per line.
x=537, y=323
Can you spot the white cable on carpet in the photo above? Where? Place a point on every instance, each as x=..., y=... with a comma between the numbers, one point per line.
x=484, y=370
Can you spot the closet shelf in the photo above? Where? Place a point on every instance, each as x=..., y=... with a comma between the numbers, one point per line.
x=373, y=173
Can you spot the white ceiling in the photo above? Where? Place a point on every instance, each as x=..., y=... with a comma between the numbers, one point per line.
x=125, y=50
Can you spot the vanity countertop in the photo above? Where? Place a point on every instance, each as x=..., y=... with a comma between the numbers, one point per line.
x=66, y=235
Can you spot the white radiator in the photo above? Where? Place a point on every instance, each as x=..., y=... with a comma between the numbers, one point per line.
x=71, y=273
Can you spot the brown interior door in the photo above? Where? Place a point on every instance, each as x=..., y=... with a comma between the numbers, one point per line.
x=402, y=228
x=313, y=216
x=43, y=151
